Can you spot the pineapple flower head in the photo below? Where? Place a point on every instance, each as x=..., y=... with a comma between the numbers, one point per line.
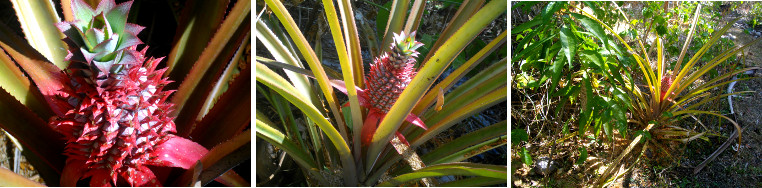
x=117, y=120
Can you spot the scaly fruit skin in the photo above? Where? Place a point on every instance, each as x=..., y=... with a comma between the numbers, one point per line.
x=389, y=75
x=392, y=72
x=118, y=119
x=666, y=82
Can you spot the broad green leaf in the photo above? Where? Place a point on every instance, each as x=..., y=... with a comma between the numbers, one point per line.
x=568, y=45
x=525, y=156
x=550, y=10
x=518, y=135
x=582, y=155
x=523, y=27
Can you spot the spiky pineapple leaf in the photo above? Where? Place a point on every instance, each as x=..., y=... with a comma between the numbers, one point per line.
x=221, y=158
x=209, y=66
x=465, y=169
x=38, y=18
x=17, y=84
x=196, y=27
x=454, y=148
x=49, y=79
x=428, y=74
x=229, y=116
x=42, y=143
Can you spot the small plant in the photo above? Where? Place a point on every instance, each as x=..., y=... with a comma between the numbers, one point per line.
x=666, y=97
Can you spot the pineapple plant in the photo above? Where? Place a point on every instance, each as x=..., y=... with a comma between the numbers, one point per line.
x=117, y=118
x=389, y=74
x=356, y=146
x=113, y=122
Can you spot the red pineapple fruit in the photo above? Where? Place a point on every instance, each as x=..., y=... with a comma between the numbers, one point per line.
x=116, y=120
x=666, y=82
x=389, y=75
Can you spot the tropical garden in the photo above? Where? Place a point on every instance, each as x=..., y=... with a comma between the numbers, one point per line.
x=381, y=93
x=645, y=94
x=125, y=93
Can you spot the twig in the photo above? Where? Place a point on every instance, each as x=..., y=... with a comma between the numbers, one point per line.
x=718, y=151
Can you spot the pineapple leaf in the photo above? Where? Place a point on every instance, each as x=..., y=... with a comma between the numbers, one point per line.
x=177, y=152
x=233, y=110
x=196, y=28
x=221, y=158
x=10, y=179
x=465, y=169
x=40, y=143
x=208, y=67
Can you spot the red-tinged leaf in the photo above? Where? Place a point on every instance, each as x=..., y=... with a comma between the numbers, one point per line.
x=177, y=152
x=10, y=179
x=220, y=159
x=72, y=172
x=195, y=88
x=229, y=116
x=412, y=118
x=402, y=138
x=49, y=78
x=42, y=145
x=369, y=126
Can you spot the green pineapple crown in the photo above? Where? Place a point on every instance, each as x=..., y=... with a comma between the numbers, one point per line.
x=403, y=48
x=100, y=37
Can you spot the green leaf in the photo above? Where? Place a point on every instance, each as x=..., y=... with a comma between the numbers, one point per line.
x=42, y=145
x=195, y=29
x=582, y=155
x=523, y=27
x=464, y=169
x=568, y=45
x=525, y=156
x=428, y=74
x=593, y=27
x=474, y=182
x=551, y=9
x=229, y=116
x=226, y=41
x=38, y=19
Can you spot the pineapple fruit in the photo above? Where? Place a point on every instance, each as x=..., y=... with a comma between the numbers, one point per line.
x=118, y=118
